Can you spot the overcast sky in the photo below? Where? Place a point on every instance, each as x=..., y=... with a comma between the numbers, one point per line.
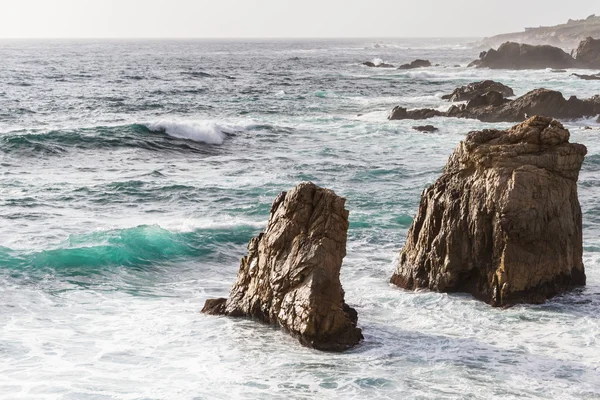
x=281, y=18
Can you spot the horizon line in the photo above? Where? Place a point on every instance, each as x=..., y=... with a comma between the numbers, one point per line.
x=237, y=37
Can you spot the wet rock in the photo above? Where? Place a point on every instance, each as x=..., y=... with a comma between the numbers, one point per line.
x=524, y=56
x=491, y=108
x=588, y=52
x=491, y=98
x=290, y=277
x=380, y=65
x=402, y=113
x=558, y=71
x=503, y=222
x=425, y=128
x=416, y=64
x=595, y=77
x=466, y=93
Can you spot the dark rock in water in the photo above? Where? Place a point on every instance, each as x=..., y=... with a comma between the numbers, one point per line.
x=380, y=65
x=290, y=276
x=503, y=222
x=402, y=113
x=491, y=98
x=556, y=71
x=456, y=66
x=425, y=128
x=214, y=306
x=466, y=93
x=588, y=52
x=595, y=77
x=416, y=64
x=491, y=108
x=524, y=56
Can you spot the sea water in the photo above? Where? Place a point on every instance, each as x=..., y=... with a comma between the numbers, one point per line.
x=133, y=174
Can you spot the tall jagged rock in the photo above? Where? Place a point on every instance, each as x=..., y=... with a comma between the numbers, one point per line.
x=588, y=52
x=503, y=222
x=290, y=276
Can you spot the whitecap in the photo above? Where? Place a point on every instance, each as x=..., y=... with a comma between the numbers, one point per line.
x=205, y=131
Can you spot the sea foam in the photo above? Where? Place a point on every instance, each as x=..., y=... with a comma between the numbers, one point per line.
x=205, y=131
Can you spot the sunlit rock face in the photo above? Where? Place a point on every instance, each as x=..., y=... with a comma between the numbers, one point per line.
x=290, y=276
x=503, y=222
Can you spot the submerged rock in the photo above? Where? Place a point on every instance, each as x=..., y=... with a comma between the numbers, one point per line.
x=503, y=222
x=290, y=276
x=466, y=93
x=416, y=64
x=380, y=65
x=402, y=113
x=425, y=128
x=491, y=107
x=524, y=56
x=595, y=77
x=588, y=52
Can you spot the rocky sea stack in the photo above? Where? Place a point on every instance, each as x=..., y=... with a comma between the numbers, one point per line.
x=518, y=56
x=503, y=222
x=290, y=276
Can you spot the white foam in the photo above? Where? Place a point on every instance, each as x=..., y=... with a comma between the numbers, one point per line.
x=205, y=131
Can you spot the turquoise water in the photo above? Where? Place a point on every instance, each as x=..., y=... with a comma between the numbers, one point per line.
x=135, y=173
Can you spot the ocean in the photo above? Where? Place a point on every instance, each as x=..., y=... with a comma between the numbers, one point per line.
x=134, y=173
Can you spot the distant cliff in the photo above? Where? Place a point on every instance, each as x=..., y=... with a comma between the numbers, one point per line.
x=567, y=36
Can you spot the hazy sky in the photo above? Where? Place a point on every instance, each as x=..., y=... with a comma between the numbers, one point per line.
x=281, y=18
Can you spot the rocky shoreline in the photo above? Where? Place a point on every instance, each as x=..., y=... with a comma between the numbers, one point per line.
x=503, y=222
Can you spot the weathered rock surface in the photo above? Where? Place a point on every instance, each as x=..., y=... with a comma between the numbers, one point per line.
x=466, y=93
x=567, y=35
x=380, y=65
x=524, y=56
x=290, y=276
x=491, y=107
x=503, y=222
x=416, y=64
x=425, y=128
x=588, y=52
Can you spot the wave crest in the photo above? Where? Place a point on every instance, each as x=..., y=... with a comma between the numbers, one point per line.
x=209, y=132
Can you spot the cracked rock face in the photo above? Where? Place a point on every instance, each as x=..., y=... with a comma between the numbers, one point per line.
x=290, y=276
x=503, y=222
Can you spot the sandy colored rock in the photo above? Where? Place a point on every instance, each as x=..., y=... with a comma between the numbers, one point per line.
x=503, y=222
x=290, y=276
x=588, y=52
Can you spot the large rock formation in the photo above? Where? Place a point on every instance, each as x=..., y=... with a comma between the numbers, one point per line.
x=566, y=35
x=416, y=64
x=524, y=56
x=290, y=276
x=588, y=53
x=503, y=222
x=466, y=93
x=492, y=107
